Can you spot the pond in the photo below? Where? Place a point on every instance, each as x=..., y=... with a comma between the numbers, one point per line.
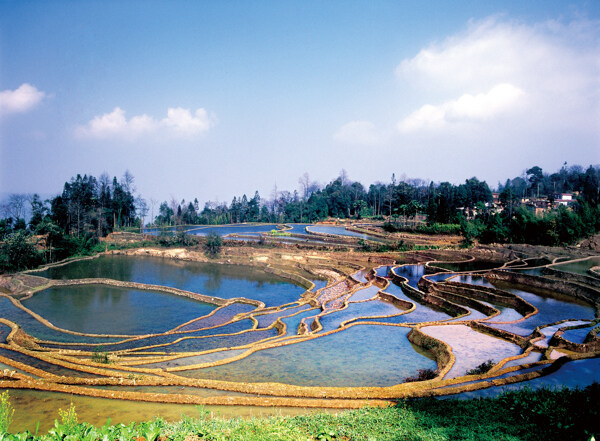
x=213, y=279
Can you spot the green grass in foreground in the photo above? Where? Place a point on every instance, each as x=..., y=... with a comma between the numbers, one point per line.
x=567, y=414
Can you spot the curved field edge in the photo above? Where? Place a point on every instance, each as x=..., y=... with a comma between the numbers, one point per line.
x=566, y=414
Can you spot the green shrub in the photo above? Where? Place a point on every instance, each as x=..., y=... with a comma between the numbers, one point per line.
x=483, y=368
x=213, y=244
x=422, y=375
x=100, y=356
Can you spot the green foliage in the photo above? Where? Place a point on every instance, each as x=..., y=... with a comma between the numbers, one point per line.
x=68, y=418
x=422, y=375
x=100, y=356
x=212, y=244
x=553, y=415
x=6, y=412
x=434, y=228
x=483, y=368
x=18, y=253
x=326, y=434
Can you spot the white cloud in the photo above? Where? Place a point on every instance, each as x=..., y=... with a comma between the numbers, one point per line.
x=501, y=99
x=179, y=122
x=20, y=100
x=359, y=132
x=493, y=64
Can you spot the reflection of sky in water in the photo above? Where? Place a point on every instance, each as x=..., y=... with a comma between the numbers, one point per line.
x=550, y=310
x=224, y=281
x=549, y=331
x=366, y=309
x=580, y=267
x=411, y=272
x=471, y=348
x=379, y=356
x=577, y=335
x=578, y=373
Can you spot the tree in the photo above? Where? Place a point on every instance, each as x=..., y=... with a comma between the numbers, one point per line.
x=16, y=205
x=213, y=244
x=37, y=211
x=17, y=253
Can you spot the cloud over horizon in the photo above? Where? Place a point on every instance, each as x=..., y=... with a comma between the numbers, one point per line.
x=20, y=100
x=501, y=99
x=499, y=73
x=493, y=64
x=179, y=122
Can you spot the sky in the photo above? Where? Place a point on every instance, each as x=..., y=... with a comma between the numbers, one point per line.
x=211, y=99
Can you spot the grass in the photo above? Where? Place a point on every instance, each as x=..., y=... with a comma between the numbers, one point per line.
x=566, y=414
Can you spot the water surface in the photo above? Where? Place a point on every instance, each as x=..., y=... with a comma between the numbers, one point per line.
x=213, y=279
x=358, y=356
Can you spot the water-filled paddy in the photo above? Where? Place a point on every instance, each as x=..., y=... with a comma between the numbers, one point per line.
x=364, y=294
x=33, y=406
x=422, y=312
x=292, y=323
x=411, y=272
x=37, y=329
x=367, y=309
x=338, y=231
x=221, y=230
x=579, y=267
x=224, y=281
x=577, y=335
x=191, y=344
x=471, y=348
x=472, y=265
x=361, y=355
x=578, y=373
x=551, y=309
x=379, y=356
x=102, y=309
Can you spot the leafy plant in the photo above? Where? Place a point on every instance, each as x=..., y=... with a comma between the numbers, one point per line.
x=6, y=412
x=483, y=368
x=69, y=418
x=326, y=434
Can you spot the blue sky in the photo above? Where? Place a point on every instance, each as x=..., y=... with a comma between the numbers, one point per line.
x=212, y=99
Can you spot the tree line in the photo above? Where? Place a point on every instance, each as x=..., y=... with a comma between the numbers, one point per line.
x=89, y=208
x=68, y=224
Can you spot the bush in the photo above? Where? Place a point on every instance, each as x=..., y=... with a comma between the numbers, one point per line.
x=483, y=368
x=213, y=244
x=100, y=356
x=422, y=375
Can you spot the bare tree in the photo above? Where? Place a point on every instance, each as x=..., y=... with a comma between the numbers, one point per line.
x=304, y=182
x=142, y=209
x=344, y=179
x=153, y=203
x=16, y=205
x=128, y=182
